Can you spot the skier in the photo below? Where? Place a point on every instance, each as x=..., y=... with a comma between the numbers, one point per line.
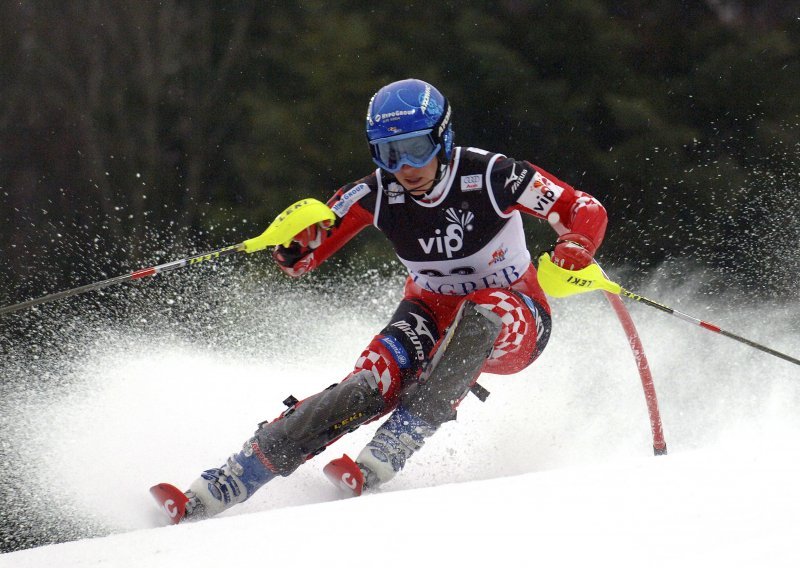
x=471, y=302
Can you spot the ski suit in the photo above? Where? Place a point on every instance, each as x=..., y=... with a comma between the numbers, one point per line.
x=463, y=240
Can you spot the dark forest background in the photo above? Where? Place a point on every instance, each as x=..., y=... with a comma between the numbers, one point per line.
x=133, y=133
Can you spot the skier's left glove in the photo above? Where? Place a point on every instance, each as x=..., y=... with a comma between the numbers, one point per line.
x=296, y=258
x=573, y=251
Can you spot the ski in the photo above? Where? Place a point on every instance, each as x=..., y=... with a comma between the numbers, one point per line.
x=344, y=473
x=171, y=500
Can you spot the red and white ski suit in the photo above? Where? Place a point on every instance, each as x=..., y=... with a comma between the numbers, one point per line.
x=464, y=240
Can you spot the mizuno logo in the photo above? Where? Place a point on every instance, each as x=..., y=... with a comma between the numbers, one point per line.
x=512, y=177
x=515, y=179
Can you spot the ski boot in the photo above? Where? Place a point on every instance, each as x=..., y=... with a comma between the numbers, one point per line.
x=216, y=489
x=386, y=454
x=220, y=488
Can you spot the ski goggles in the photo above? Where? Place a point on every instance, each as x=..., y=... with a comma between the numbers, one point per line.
x=415, y=149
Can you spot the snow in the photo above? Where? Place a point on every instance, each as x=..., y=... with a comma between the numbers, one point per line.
x=708, y=508
x=555, y=469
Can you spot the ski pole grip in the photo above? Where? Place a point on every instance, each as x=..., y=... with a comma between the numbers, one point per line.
x=290, y=222
x=559, y=282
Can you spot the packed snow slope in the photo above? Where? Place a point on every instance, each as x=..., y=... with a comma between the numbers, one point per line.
x=556, y=468
x=730, y=506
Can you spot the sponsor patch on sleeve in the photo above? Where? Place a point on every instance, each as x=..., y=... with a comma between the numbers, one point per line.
x=540, y=195
x=472, y=183
x=349, y=198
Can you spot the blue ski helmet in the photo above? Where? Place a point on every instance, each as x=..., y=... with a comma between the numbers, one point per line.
x=408, y=122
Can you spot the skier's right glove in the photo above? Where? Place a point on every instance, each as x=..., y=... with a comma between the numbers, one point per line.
x=297, y=258
x=573, y=251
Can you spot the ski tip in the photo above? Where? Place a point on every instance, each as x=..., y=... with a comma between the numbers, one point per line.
x=344, y=473
x=171, y=501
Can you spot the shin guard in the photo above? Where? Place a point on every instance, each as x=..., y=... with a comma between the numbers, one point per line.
x=310, y=425
x=455, y=365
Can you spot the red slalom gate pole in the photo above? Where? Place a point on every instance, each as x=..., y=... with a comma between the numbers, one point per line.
x=559, y=282
x=659, y=445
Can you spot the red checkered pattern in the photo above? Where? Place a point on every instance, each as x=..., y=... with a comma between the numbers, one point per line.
x=510, y=309
x=515, y=347
x=383, y=367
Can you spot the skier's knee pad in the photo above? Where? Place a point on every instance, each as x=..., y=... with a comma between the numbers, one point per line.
x=525, y=331
x=511, y=306
x=310, y=425
x=455, y=365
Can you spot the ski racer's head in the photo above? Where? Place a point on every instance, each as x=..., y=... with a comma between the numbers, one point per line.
x=410, y=134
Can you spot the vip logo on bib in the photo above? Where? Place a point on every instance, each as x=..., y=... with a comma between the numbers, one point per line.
x=453, y=238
